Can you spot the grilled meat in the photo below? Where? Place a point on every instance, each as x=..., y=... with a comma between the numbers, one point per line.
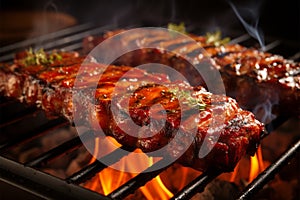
x=259, y=81
x=172, y=113
x=44, y=85
x=179, y=116
x=49, y=86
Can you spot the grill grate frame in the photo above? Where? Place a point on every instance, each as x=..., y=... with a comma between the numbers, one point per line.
x=70, y=39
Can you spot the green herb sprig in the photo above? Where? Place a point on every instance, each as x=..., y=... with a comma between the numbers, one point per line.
x=179, y=28
x=40, y=57
x=186, y=97
x=216, y=39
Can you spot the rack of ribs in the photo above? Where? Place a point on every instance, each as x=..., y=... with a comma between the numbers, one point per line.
x=257, y=80
x=189, y=112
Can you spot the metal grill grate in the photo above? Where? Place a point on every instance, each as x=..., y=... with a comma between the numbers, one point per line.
x=27, y=177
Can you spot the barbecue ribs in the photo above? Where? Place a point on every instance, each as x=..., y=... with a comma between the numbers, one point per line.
x=259, y=81
x=160, y=111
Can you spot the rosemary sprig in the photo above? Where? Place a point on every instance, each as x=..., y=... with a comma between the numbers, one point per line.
x=185, y=96
x=216, y=39
x=40, y=57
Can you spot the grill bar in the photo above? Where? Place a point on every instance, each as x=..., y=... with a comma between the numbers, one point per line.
x=269, y=173
x=73, y=38
x=86, y=173
x=276, y=123
x=4, y=102
x=240, y=39
x=25, y=114
x=296, y=56
x=17, y=116
x=59, y=150
x=54, y=124
x=138, y=181
x=61, y=33
x=270, y=46
x=97, y=166
x=61, y=42
x=13, y=109
x=197, y=185
x=41, y=184
x=72, y=47
x=74, y=42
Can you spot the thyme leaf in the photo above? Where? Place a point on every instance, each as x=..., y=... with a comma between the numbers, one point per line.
x=186, y=97
x=40, y=57
x=179, y=28
x=216, y=39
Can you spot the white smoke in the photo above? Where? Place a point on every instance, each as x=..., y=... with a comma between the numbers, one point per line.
x=249, y=17
x=263, y=110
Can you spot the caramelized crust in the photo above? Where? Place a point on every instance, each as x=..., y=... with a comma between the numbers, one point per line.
x=169, y=113
x=263, y=83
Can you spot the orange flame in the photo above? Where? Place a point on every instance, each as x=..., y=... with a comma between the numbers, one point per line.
x=235, y=172
x=96, y=151
x=247, y=169
x=254, y=169
x=93, y=185
x=256, y=164
x=155, y=189
x=109, y=179
x=260, y=159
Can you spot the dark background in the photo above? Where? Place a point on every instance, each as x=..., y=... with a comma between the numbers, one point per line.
x=276, y=18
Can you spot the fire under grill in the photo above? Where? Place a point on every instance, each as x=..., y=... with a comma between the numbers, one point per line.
x=21, y=124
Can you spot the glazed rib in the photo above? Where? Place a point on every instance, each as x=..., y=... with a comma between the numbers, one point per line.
x=265, y=84
x=191, y=113
x=238, y=135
